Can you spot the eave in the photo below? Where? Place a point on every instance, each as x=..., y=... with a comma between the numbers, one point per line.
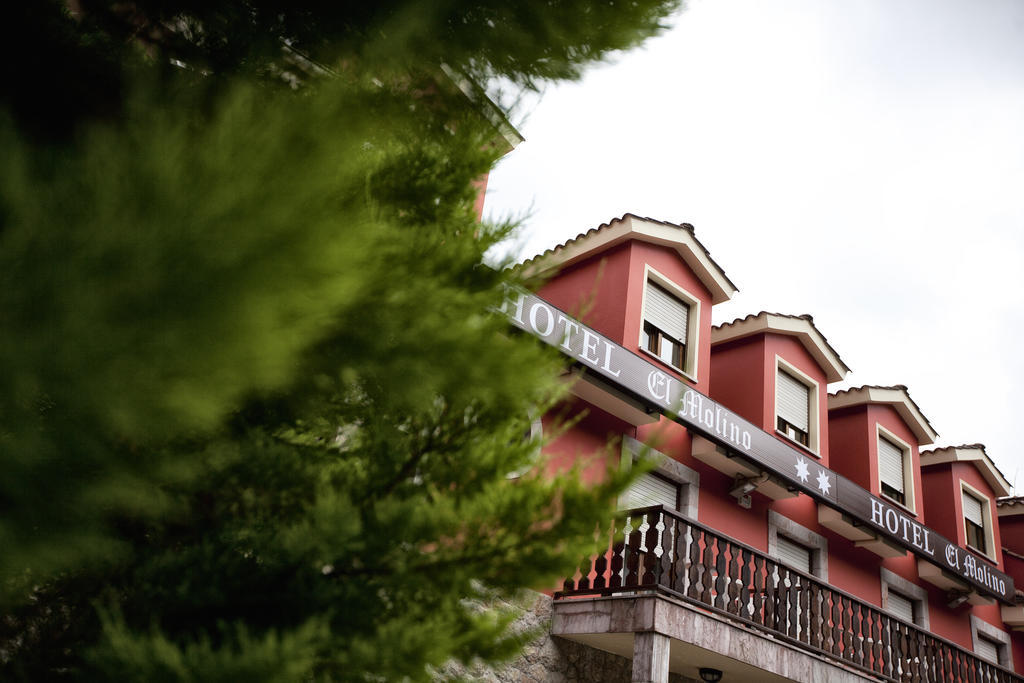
x=679, y=238
x=799, y=326
x=972, y=453
x=895, y=396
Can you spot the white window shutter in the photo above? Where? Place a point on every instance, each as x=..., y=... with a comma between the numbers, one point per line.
x=890, y=464
x=651, y=490
x=901, y=606
x=793, y=554
x=987, y=649
x=792, y=401
x=972, y=510
x=667, y=313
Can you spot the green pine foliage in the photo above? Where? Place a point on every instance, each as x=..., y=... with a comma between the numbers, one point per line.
x=256, y=421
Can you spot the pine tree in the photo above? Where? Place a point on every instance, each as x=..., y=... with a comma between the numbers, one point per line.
x=256, y=422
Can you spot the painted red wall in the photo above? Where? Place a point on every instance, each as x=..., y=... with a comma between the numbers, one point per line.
x=793, y=352
x=668, y=263
x=743, y=379
x=1011, y=530
x=853, y=442
x=720, y=511
x=736, y=378
x=944, y=507
x=592, y=291
x=944, y=517
x=848, y=445
x=669, y=437
x=852, y=569
x=606, y=292
x=887, y=417
x=951, y=623
x=853, y=446
x=906, y=567
x=954, y=623
x=715, y=507
x=586, y=442
x=1015, y=568
x=941, y=505
x=944, y=504
x=969, y=473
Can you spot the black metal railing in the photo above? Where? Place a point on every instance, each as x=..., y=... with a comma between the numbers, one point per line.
x=668, y=553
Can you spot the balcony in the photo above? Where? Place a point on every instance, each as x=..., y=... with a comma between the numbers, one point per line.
x=667, y=555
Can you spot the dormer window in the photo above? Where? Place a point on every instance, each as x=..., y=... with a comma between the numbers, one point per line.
x=892, y=470
x=669, y=325
x=796, y=405
x=895, y=469
x=793, y=407
x=974, y=522
x=665, y=324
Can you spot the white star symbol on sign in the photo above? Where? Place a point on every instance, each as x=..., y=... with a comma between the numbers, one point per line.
x=801, y=470
x=823, y=482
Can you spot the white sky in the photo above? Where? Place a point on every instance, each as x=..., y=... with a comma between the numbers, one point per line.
x=858, y=160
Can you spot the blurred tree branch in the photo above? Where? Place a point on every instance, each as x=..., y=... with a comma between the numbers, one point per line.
x=213, y=255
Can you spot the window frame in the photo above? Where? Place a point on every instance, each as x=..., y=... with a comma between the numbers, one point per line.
x=781, y=540
x=995, y=645
x=797, y=534
x=892, y=598
x=654, y=336
x=691, y=343
x=678, y=491
x=986, y=514
x=982, y=629
x=687, y=479
x=779, y=525
x=911, y=591
x=909, y=490
x=813, y=445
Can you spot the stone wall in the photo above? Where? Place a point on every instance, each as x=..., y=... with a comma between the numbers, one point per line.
x=550, y=659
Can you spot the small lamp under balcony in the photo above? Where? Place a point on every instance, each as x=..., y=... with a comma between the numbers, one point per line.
x=710, y=675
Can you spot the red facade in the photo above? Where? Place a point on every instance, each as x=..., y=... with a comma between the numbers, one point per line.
x=774, y=370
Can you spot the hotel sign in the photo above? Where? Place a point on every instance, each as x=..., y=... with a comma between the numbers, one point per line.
x=646, y=382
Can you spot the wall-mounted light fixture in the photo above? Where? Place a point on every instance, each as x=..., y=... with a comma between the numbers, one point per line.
x=742, y=487
x=955, y=598
x=710, y=675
